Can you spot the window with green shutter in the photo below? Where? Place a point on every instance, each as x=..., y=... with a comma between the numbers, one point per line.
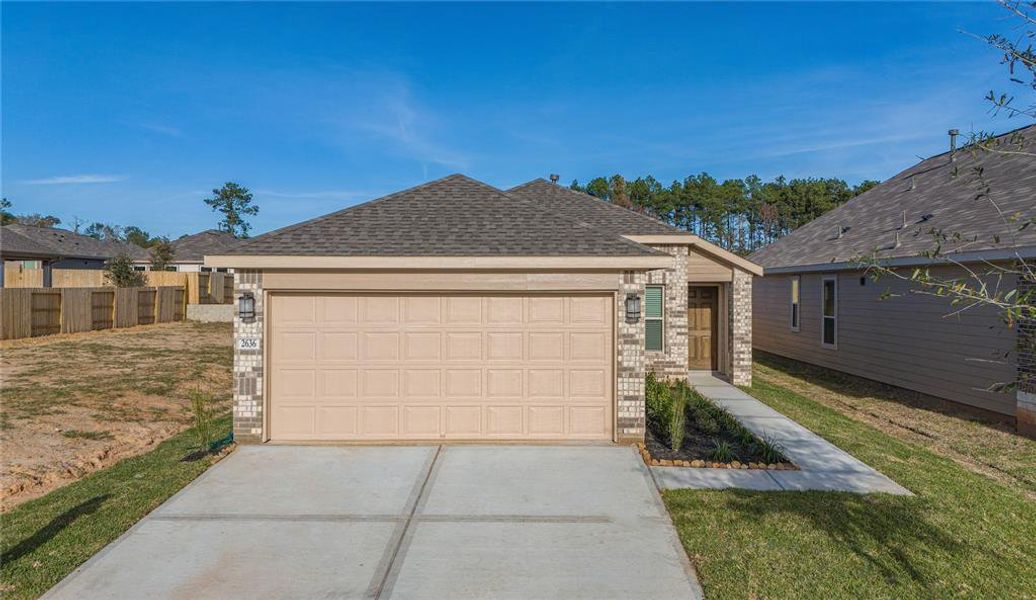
x=653, y=301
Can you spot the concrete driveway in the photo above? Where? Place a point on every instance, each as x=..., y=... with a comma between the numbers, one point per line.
x=402, y=522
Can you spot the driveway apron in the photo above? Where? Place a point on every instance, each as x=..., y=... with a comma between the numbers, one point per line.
x=402, y=522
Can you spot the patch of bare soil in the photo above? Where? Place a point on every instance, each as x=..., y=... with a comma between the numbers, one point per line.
x=75, y=403
x=980, y=444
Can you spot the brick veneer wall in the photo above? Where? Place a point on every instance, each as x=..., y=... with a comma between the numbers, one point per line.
x=630, y=373
x=248, y=364
x=671, y=362
x=1025, y=410
x=740, y=330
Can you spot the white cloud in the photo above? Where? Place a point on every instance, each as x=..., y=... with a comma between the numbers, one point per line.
x=76, y=179
x=162, y=129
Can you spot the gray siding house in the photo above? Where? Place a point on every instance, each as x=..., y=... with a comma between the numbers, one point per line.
x=816, y=305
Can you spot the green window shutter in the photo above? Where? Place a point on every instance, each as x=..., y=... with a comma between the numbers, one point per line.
x=653, y=302
x=653, y=335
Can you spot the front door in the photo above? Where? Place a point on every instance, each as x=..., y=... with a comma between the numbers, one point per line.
x=702, y=310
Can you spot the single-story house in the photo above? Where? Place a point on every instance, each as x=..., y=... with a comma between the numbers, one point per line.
x=49, y=248
x=458, y=311
x=189, y=251
x=816, y=305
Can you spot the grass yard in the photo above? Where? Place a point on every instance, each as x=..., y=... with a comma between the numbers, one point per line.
x=46, y=538
x=72, y=404
x=970, y=532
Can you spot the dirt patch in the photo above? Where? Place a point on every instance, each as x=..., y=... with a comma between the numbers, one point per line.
x=980, y=444
x=75, y=403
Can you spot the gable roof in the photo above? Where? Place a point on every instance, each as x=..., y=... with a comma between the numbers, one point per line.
x=15, y=245
x=193, y=248
x=594, y=212
x=944, y=187
x=455, y=216
x=68, y=244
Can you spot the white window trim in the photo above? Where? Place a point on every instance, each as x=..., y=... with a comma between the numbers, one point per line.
x=660, y=319
x=795, y=317
x=823, y=317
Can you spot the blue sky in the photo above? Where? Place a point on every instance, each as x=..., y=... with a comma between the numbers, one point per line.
x=131, y=113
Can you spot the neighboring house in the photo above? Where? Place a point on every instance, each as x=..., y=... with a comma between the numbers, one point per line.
x=455, y=310
x=59, y=249
x=189, y=251
x=816, y=306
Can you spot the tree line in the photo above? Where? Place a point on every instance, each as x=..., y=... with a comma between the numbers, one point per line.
x=740, y=215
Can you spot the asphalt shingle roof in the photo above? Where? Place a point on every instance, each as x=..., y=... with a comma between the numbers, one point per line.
x=584, y=208
x=193, y=248
x=453, y=216
x=62, y=242
x=14, y=244
x=943, y=188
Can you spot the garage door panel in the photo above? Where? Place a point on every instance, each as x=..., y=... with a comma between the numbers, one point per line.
x=546, y=421
x=297, y=346
x=423, y=310
x=379, y=310
x=421, y=421
x=464, y=421
x=424, y=366
x=422, y=346
x=379, y=345
x=337, y=310
x=336, y=420
x=505, y=421
x=379, y=383
x=422, y=383
x=336, y=384
x=546, y=383
x=546, y=345
x=342, y=346
x=463, y=383
x=379, y=421
x=463, y=346
x=504, y=345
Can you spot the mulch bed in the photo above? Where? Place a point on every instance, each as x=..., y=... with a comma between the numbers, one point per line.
x=697, y=448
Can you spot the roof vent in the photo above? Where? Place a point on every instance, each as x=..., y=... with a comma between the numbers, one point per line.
x=913, y=184
x=554, y=178
x=953, y=143
x=904, y=225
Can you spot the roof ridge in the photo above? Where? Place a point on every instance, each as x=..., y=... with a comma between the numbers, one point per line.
x=596, y=199
x=247, y=242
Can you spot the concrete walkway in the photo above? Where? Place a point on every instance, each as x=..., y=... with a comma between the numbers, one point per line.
x=823, y=466
x=402, y=522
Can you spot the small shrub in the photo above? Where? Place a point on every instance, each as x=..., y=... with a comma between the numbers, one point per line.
x=203, y=425
x=676, y=425
x=722, y=451
x=119, y=272
x=770, y=450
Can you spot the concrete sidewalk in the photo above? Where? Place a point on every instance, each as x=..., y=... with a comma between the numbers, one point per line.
x=823, y=466
x=402, y=522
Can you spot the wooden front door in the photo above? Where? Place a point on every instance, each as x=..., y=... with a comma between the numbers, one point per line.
x=702, y=311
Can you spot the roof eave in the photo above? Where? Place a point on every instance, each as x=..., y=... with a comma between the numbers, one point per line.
x=707, y=247
x=995, y=255
x=435, y=263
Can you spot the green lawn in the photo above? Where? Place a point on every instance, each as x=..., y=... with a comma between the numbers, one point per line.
x=45, y=539
x=963, y=535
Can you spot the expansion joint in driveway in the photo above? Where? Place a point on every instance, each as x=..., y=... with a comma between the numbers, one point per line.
x=396, y=549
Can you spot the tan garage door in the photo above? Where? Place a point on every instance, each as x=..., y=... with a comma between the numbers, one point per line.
x=384, y=367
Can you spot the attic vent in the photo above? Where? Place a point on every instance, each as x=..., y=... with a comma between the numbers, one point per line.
x=926, y=217
x=913, y=184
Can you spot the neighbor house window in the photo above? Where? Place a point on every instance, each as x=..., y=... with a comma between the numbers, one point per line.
x=795, y=303
x=829, y=304
x=653, y=317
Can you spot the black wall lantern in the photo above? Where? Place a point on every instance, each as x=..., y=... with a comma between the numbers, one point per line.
x=246, y=307
x=632, y=308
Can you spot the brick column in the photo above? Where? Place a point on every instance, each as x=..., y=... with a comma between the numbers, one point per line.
x=1025, y=408
x=630, y=376
x=740, y=330
x=248, y=364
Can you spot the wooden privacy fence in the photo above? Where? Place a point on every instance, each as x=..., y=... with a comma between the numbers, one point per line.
x=202, y=288
x=30, y=312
